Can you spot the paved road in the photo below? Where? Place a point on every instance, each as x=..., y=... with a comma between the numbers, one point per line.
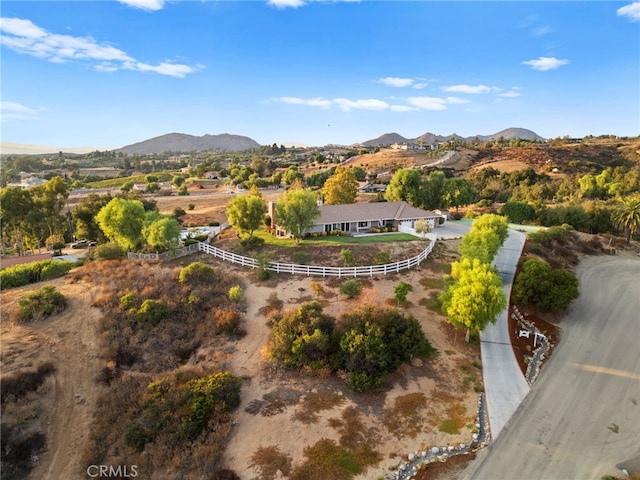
x=582, y=416
x=504, y=384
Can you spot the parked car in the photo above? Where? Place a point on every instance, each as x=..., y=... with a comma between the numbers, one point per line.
x=83, y=244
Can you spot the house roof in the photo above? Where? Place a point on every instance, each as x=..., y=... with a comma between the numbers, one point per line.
x=361, y=212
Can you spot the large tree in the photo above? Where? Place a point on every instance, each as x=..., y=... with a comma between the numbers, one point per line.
x=121, y=221
x=626, y=216
x=84, y=216
x=406, y=184
x=493, y=223
x=475, y=298
x=480, y=244
x=162, y=233
x=245, y=213
x=434, y=190
x=341, y=187
x=458, y=192
x=297, y=211
x=15, y=205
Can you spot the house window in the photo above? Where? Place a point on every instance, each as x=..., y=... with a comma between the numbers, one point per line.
x=363, y=224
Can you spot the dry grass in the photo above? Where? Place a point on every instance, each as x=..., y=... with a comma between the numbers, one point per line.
x=325, y=459
x=268, y=461
x=315, y=402
x=405, y=418
x=274, y=403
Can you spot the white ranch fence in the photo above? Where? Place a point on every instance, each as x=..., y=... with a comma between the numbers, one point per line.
x=315, y=270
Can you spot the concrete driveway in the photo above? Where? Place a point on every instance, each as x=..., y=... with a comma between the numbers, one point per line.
x=451, y=229
x=582, y=416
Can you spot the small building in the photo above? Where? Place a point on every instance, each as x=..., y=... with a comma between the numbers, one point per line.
x=369, y=187
x=358, y=218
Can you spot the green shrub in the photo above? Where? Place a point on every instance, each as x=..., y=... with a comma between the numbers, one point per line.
x=152, y=311
x=41, y=303
x=196, y=272
x=547, y=288
x=191, y=206
x=375, y=342
x=302, y=337
x=517, y=212
x=351, y=288
x=545, y=236
x=347, y=256
x=301, y=258
x=263, y=274
x=109, y=251
x=190, y=240
x=236, y=294
x=128, y=300
x=381, y=258
x=33, y=272
x=401, y=291
x=252, y=242
x=136, y=437
x=181, y=410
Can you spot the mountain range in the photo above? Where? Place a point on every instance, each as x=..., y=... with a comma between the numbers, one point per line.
x=507, y=134
x=182, y=142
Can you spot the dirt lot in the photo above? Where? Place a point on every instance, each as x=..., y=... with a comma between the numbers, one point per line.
x=276, y=404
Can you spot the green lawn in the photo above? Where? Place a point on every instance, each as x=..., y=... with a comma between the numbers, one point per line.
x=514, y=226
x=119, y=181
x=335, y=240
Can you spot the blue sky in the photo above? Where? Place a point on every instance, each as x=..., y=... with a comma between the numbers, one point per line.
x=112, y=73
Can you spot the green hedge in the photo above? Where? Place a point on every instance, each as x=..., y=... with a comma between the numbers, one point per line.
x=19, y=275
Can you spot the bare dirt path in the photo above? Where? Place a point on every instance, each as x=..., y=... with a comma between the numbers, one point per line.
x=67, y=340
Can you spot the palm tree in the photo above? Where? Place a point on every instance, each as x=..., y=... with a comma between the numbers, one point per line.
x=627, y=216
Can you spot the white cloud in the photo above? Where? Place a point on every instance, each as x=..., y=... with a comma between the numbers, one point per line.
x=300, y=3
x=545, y=63
x=313, y=102
x=344, y=104
x=347, y=105
x=542, y=30
x=24, y=37
x=513, y=93
x=402, y=108
x=21, y=28
x=470, y=89
x=428, y=103
x=286, y=3
x=368, y=104
x=631, y=11
x=396, y=81
x=144, y=4
x=399, y=82
x=457, y=100
x=17, y=111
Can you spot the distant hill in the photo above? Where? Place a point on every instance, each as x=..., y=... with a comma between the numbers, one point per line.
x=182, y=142
x=386, y=139
x=507, y=134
